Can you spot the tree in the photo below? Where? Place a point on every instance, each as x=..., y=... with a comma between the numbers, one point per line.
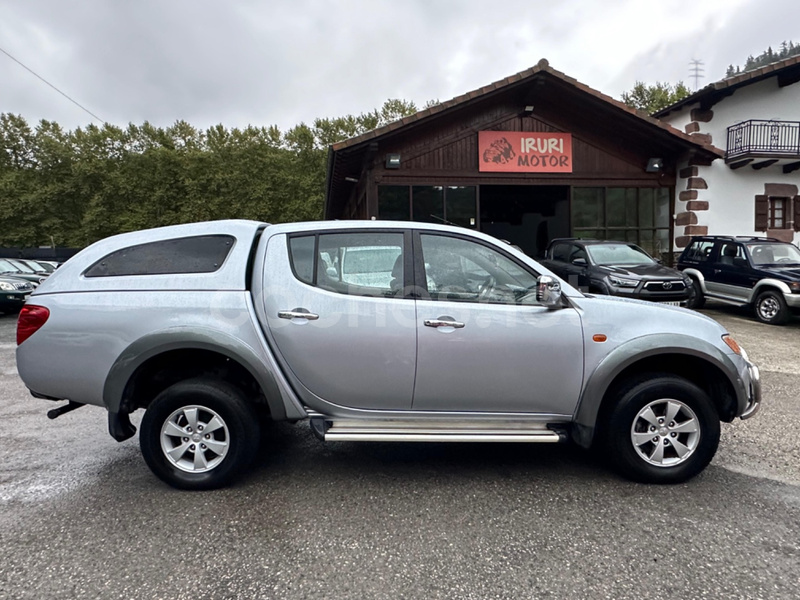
x=652, y=98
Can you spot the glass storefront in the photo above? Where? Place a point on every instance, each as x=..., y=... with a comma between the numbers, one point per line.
x=637, y=215
x=628, y=214
x=453, y=204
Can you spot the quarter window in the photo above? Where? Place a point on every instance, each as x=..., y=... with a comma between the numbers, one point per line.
x=199, y=254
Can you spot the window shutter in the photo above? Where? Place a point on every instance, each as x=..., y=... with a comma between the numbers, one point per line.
x=796, y=204
x=762, y=213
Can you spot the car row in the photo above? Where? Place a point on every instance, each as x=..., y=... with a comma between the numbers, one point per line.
x=18, y=278
x=757, y=272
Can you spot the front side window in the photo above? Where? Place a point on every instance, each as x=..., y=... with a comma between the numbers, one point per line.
x=732, y=253
x=462, y=270
x=198, y=254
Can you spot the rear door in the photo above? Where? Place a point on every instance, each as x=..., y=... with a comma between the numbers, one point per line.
x=484, y=342
x=340, y=317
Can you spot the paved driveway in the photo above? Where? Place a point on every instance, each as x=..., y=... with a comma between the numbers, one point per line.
x=82, y=517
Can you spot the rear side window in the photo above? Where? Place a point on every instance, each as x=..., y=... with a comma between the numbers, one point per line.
x=199, y=254
x=699, y=251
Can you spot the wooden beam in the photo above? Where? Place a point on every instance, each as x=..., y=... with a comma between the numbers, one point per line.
x=791, y=167
x=740, y=163
x=785, y=79
x=764, y=163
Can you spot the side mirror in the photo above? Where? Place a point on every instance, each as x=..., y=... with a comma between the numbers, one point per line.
x=580, y=262
x=548, y=292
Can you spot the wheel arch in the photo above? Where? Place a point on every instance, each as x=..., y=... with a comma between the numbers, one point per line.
x=697, y=276
x=698, y=361
x=767, y=284
x=155, y=361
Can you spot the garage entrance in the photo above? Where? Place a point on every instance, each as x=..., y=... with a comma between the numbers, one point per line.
x=528, y=216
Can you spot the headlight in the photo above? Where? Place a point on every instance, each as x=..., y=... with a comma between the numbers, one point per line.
x=620, y=282
x=737, y=349
x=6, y=286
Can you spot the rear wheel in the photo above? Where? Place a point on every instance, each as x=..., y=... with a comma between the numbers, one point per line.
x=663, y=429
x=770, y=307
x=199, y=434
x=696, y=298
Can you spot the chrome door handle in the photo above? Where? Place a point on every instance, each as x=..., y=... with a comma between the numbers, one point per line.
x=297, y=314
x=443, y=323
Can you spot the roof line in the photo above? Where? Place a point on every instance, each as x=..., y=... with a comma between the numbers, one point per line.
x=543, y=66
x=736, y=81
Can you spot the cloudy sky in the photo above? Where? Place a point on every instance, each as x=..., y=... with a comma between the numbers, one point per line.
x=281, y=62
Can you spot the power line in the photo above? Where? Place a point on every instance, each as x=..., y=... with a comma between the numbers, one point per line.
x=32, y=72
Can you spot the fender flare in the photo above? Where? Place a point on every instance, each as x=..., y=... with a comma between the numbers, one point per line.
x=185, y=338
x=698, y=277
x=622, y=357
x=773, y=283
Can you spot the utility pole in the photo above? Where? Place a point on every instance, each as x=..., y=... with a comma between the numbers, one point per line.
x=696, y=71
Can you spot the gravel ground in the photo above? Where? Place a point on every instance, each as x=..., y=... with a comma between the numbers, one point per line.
x=82, y=517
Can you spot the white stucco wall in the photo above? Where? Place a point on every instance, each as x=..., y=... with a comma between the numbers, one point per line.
x=731, y=193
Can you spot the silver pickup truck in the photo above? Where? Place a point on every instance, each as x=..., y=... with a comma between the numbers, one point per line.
x=371, y=331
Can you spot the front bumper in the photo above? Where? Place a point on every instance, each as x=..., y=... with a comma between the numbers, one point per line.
x=792, y=300
x=13, y=300
x=753, y=381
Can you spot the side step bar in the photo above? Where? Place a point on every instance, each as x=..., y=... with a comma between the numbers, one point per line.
x=410, y=431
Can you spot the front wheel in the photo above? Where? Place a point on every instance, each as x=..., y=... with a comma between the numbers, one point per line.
x=663, y=429
x=770, y=308
x=199, y=434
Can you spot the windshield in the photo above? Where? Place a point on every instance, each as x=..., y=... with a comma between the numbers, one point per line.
x=618, y=254
x=21, y=266
x=770, y=254
x=7, y=267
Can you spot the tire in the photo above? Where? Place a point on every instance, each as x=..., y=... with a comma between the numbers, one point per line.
x=169, y=441
x=770, y=307
x=696, y=298
x=679, y=416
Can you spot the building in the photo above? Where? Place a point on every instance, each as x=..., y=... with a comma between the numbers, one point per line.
x=755, y=116
x=528, y=158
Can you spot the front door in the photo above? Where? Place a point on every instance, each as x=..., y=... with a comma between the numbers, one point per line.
x=484, y=344
x=339, y=317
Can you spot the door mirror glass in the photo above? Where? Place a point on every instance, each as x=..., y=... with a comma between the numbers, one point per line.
x=548, y=292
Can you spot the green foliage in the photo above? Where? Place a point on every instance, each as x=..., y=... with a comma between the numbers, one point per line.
x=787, y=49
x=652, y=98
x=70, y=188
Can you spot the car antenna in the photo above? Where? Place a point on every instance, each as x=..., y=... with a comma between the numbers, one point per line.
x=445, y=221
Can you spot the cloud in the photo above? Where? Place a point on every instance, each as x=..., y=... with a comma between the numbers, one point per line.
x=250, y=62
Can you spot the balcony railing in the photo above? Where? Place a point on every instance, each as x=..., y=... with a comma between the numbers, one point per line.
x=778, y=139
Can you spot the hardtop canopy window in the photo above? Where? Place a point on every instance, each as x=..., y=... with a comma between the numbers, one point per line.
x=197, y=254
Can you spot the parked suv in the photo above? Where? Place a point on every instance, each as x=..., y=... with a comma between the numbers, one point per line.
x=615, y=269
x=763, y=273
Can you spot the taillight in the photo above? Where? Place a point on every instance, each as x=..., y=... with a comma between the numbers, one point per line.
x=31, y=318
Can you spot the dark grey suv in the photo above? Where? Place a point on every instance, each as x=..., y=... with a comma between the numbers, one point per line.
x=615, y=269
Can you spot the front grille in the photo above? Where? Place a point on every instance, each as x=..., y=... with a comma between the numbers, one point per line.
x=665, y=286
x=22, y=286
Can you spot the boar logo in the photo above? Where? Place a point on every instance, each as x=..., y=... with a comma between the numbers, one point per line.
x=499, y=152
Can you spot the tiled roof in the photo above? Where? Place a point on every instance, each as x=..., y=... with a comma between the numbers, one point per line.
x=736, y=81
x=543, y=66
